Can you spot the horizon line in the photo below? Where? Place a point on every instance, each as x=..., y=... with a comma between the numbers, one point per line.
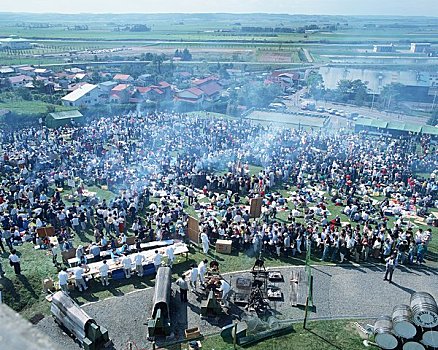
x=213, y=13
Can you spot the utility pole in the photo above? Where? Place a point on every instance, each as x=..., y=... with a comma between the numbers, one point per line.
x=434, y=99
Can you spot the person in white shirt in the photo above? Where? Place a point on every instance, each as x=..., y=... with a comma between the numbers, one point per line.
x=63, y=280
x=139, y=259
x=157, y=260
x=103, y=270
x=193, y=277
x=127, y=265
x=14, y=260
x=205, y=243
x=202, y=270
x=79, y=279
x=170, y=256
x=225, y=289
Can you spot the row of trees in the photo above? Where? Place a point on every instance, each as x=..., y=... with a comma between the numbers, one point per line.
x=354, y=91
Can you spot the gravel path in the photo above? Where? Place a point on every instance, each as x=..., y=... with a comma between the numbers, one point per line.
x=339, y=292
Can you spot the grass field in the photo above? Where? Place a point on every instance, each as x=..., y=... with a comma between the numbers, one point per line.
x=31, y=107
x=323, y=335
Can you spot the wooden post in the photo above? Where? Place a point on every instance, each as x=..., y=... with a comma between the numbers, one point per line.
x=235, y=336
x=305, y=313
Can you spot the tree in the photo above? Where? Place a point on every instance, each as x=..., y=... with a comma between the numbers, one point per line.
x=186, y=55
x=315, y=84
x=257, y=94
x=95, y=77
x=359, y=89
x=390, y=95
x=351, y=91
x=24, y=94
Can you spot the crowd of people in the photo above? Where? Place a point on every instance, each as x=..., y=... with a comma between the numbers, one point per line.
x=159, y=165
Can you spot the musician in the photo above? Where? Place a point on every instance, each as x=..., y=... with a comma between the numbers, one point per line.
x=225, y=288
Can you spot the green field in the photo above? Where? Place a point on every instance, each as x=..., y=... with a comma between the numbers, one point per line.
x=210, y=31
x=323, y=335
x=31, y=107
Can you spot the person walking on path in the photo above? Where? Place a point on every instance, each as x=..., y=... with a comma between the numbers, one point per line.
x=202, y=270
x=63, y=280
x=183, y=288
x=193, y=277
x=157, y=260
x=391, y=263
x=14, y=261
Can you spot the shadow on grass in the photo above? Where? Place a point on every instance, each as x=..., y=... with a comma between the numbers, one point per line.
x=323, y=339
x=23, y=279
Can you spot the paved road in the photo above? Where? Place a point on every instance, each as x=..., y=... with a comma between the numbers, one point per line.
x=346, y=291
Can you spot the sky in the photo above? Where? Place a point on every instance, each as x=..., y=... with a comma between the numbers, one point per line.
x=329, y=7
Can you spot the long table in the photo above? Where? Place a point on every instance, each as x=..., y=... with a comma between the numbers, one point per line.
x=179, y=249
x=105, y=254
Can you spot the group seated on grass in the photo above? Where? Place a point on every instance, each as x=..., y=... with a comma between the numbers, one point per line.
x=351, y=196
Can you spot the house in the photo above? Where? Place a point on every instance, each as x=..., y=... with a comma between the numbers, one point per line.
x=74, y=70
x=107, y=86
x=120, y=93
x=211, y=90
x=57, y=119
x=145, y=79
x=199, y=82
x=123, y=78
x=19, y=81
x=192, y=95
x=384, y=48
x=6, y=71
x=86, y=95
x=43, y=72
x=26, y=70
x=420, y=47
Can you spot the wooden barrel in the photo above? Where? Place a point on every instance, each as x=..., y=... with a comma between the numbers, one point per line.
x=402, y=322
x=413, y=345
x=430, y=339
x=424, y=310
x=383, y=333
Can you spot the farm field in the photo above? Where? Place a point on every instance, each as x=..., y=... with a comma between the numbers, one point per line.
x=56, y=39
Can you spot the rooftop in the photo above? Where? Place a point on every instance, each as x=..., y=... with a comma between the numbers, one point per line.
x=80, y=92
x=66, y=115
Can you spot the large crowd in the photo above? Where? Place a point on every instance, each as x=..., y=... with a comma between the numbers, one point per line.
x=158, y=165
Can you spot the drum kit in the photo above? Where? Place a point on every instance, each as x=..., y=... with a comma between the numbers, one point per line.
x=411, y=327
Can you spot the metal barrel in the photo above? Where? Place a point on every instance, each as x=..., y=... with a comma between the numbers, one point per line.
x=383, y=333
x=413, y=345
x=402, y=322
x=430, y=339
x=424, y=310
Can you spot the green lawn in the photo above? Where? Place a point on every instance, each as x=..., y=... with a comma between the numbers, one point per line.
x=23, y=107
x=322, y=335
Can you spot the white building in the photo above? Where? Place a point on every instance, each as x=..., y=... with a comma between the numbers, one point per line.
x=420, y=47
x=15, y=44
x=86, y=95
x=377, y=79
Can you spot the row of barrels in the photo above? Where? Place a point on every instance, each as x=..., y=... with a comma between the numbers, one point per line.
x=411, y=327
